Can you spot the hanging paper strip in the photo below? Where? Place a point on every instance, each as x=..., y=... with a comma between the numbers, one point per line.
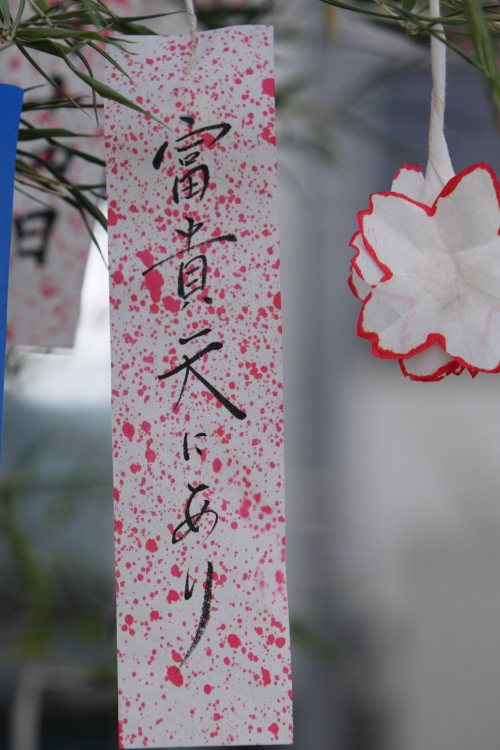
x=50, y=241
x=203, y=640
x=11, y=99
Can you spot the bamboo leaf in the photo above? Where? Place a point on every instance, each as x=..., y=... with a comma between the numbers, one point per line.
x=34, y=134
x=48, y=78
x=20, y=12
x=5, y=13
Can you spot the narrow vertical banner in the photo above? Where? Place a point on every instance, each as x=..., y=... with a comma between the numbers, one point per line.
x=11, y=100
x=203, y=638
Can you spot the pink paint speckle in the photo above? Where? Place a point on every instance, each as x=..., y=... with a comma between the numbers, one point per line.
x=174, y=674
x=172, y=596
x=112, y=218
x=117, y=277
x=274, y=729
x=154, y=282
x=151, y=546
x=128, y=430
x=268, y=86
x=171, y=305
x=217, y=465
x=233, y=641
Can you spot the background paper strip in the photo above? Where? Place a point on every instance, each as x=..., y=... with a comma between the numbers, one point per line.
x=203, y=642
x=50, y=242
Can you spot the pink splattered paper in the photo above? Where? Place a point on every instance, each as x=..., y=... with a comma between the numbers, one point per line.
x=203, y=640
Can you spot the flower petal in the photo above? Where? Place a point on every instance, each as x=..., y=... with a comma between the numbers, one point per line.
x=401, y=234
x=409, y=181
x=467, y=212
x=364, y=263
x=432, y=364
x=358, y=286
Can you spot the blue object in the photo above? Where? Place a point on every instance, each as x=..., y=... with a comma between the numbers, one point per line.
x=11, y=100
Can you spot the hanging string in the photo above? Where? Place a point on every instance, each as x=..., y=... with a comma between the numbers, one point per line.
x=439, y=167
x=193, y=24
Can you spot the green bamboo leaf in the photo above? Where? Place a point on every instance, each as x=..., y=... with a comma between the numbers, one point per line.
x=58, y=104
x=80, y=154
x=482, y=44
x=34, y=134
x=108, y=93
x=20, y=12
x=5, y=13
x=48, y=78
x=30, y=34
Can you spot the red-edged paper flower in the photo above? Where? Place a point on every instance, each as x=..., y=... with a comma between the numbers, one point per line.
x=429, y=276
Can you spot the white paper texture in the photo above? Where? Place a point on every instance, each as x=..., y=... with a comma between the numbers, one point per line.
x=198, y=450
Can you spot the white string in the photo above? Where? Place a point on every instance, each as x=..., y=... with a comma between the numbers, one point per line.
x=439, y=167
x=192, y=30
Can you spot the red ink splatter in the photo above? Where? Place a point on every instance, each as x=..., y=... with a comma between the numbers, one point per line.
x=280, y=578
x=207, y=689
x=173, y=596
x=151, y=546
x=117, y=277
x=154, y=614
x=266, y=677
x=277, y=301
x=175, y=571
x=119, y=527
x=154, y=282
x=268, y=86
x=128, y=430
x=171, y=305
x=274, y=729
x=233, y=641
x=175, y=676
x=267, y=136
x=147, y=257
x=217, y=465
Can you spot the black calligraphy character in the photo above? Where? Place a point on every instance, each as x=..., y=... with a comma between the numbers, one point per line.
x=189, y=369
x=192, y=520
x=192, y=186
x=32, y=232
x=188, y=592
x=192, y=228
x=205, y=612
x=159, y=156
x=192, y=278
x=222, y=127
x=185, y=445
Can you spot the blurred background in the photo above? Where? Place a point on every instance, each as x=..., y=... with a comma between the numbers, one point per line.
x=393, y=487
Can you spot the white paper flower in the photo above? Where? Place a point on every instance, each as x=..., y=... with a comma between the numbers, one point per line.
x=430, y=275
